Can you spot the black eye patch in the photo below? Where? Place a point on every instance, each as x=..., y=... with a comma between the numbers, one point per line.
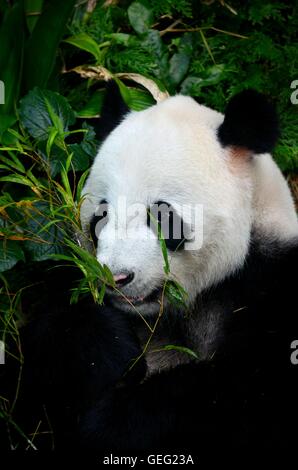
x=98, y=221
x=163, y=215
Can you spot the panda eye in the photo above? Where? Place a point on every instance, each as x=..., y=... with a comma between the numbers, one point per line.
x=98, y=221
x=161, y=215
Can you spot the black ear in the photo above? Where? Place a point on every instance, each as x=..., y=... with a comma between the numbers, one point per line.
x=250, y=122
x=113, y=110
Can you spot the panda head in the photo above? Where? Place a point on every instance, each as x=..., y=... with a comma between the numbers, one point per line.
x=191, y=169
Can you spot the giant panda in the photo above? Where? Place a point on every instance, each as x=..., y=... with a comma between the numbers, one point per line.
x=218, y=373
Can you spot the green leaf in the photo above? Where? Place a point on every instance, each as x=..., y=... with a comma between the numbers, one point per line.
x=140, y=17
x=85, y=42
x=125, y=92
x=80, y=159
x=108, y=275
x=179, y=65
x=13, y=162
x=93, y=107
x=123, y=39
x=81, y=184
x=39, y=108
x=41, y=48
x=17, y=179
x=171, y=347
x=101, y=294
x=152, y=42
x=162, y=243
x=140, y=99
x=10, y=253
x=175, y=293
x=5, y=123
x=84, y=152
x=212, y=76
x=164, y=254
x=49, y=237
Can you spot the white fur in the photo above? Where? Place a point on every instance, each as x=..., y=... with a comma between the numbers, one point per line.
x=170, y=152
x=273, y=205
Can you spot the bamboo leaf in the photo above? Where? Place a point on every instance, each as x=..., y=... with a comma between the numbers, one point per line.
x=101, y=294
x=80, y=185
x=172, y=347
x=175, y=293
x=51, y=139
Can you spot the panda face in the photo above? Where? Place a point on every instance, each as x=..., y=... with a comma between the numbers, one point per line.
x=168, y=155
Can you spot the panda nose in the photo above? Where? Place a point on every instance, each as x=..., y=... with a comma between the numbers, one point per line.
x=122, y=279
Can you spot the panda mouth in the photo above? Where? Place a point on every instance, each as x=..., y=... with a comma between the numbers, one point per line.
x=154, y=296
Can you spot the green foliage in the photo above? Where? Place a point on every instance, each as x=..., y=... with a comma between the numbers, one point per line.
x=209, y=50
x=41, y=46
x=194, y=48
x=43, y=110
x=140, y=17
x=206, y=49
x=87, y=43
x=10, y=253
x=172, y=347
x=28, y=49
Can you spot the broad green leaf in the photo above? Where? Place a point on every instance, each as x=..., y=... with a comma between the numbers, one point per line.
x=140, y=99
x=41, y=47
x=93, y=107
x=39, y=108
x=85, y=42
x=136, y=99
x=140, y=17
x=10, y=253
x=82, y=153
x=179, y=65
x=89, y=143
